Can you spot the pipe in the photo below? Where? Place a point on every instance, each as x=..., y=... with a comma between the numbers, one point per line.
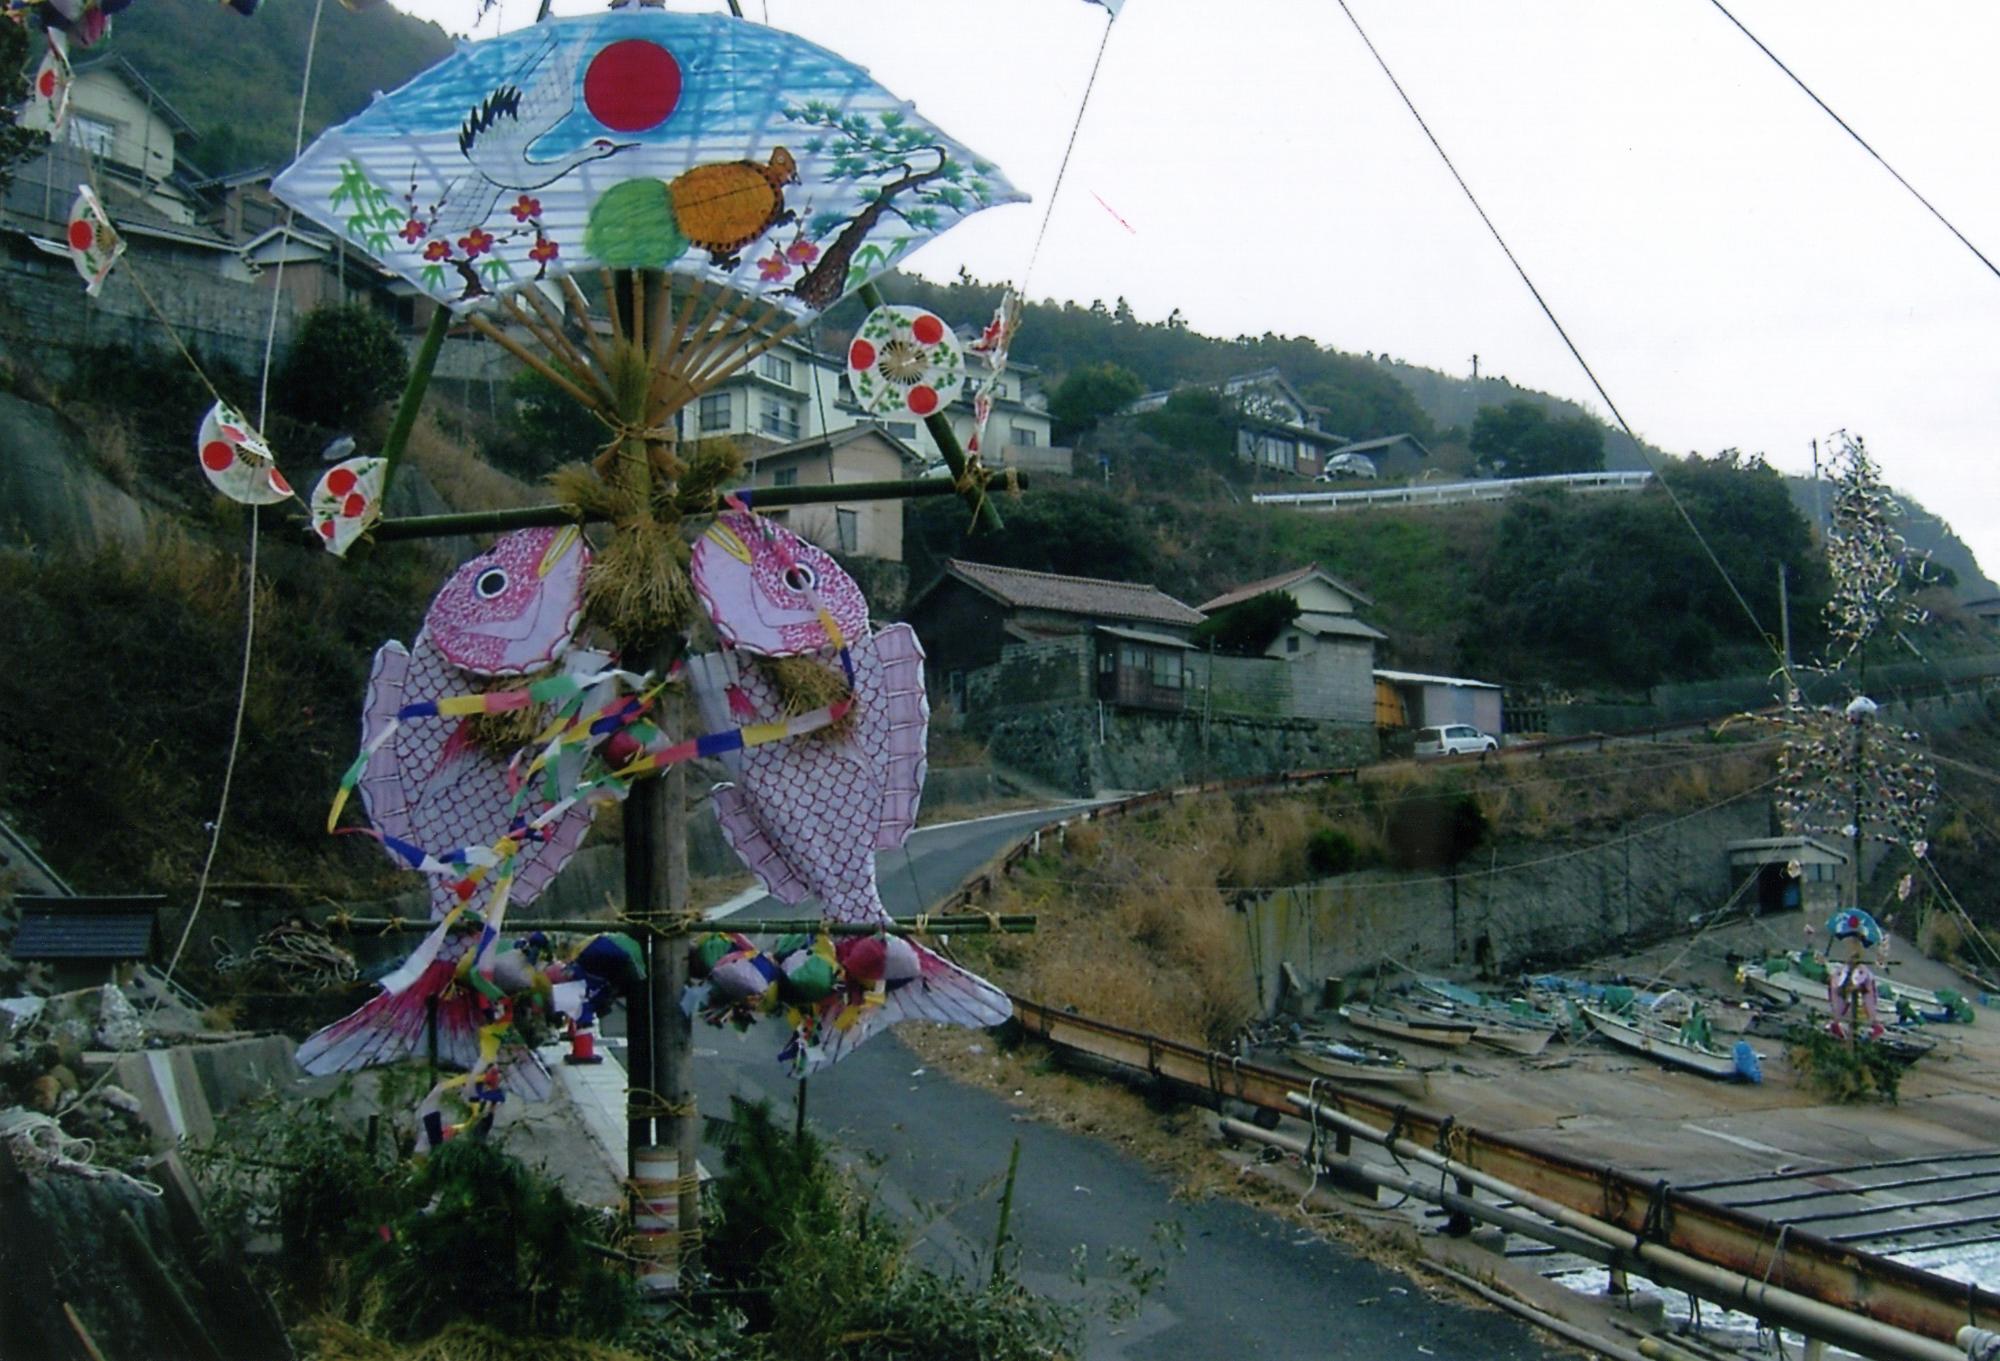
x=1724, y=1287
x=1541, y=1318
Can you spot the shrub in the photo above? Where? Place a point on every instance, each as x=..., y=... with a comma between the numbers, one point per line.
x=1434, y=832
x=1329, y=850
x=1842, y=1071
x=343, y=361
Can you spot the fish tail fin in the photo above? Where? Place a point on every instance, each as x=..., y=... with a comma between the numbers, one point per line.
x=941, y=992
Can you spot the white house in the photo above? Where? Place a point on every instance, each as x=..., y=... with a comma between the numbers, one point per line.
x=1330, y=650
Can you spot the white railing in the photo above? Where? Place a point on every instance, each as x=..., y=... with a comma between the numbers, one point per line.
x=1455, y=493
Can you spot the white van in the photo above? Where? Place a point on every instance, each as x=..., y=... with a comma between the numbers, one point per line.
x=1453, y=738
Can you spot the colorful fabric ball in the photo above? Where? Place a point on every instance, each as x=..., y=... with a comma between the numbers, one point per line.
x=745, y=976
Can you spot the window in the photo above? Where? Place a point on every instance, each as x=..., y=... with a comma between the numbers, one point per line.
x=92, y=134
x=785, y=477
x=1021, y=435
x=847, y=523
x=1107, y=662
x=779, y=418
x=778, y=369
x=1291, y=642
x=1000, y=392
x=1167, y=670
x=715, y=413
x=901, y=429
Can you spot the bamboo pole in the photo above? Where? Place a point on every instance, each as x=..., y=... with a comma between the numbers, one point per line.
x=412, y=400
x=581, y=306
x=535, y=362
x=966, y=925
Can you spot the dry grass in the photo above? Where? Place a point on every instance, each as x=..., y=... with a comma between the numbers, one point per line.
x=112, y=444
x=464, y=479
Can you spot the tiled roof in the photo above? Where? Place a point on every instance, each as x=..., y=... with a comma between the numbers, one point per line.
x=1368, y=445
x=1281, y=582
x=85, y=928
x=1073, y=595
x=1338, y=626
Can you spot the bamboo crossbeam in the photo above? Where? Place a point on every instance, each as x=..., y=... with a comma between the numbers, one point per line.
x=763, y=498
x=1013, y=924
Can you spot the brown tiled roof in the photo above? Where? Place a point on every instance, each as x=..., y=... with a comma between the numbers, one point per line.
x=1073, y=595
x=1278, y=583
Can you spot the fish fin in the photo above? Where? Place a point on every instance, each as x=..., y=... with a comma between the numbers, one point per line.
x=907, y=712
x=382, y=794
x=759, y=854
x=384, y=1029
x=942, y=992
x=708, y=675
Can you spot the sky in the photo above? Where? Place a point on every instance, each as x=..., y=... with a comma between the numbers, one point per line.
x=1735, y=269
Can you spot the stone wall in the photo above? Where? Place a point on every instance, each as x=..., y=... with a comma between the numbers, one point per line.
x=1085, y=748
x=46, y=310
x=1524, y=906
x=1053, y=671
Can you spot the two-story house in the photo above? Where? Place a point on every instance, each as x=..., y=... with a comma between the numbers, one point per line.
x=1329, y=651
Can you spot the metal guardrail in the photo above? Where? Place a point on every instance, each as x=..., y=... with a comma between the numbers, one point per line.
x=1456, y=493
x=1796, y=1260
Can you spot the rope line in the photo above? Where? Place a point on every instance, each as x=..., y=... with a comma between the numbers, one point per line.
x=1860, y=141
x=1570, y=345
x=250, y=594
x=1048, y=210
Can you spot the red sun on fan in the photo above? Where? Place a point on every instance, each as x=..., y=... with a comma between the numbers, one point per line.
x=632, y=85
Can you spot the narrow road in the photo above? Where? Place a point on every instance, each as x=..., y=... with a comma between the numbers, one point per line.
x=1248, y=1285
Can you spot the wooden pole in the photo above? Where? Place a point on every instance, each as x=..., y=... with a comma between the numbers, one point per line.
x=412, y=401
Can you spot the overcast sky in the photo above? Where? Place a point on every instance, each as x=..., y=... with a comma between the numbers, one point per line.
x=1736, y=270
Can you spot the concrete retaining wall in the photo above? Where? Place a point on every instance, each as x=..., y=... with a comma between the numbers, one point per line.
x=1522, y=907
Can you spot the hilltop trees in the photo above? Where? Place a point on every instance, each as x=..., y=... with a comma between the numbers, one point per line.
x=1088, y=395
x=1521, y=439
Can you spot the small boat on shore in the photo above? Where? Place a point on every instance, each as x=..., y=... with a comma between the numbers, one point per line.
x=1438, y=1032
x=1516, y=1028
x=1368, y=1065
x=1685, y=1047
x=1798, y=977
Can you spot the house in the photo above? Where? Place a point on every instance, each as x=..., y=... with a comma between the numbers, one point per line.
x=1277, y=430
x=1121, y=641
x=860, y=453
x=1792, y=872
x=1329, y=650
x=1407, y=699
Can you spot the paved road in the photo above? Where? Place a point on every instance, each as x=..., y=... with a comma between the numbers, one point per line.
x=1249, y=1285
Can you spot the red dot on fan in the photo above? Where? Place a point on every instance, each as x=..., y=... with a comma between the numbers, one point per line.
x=340, y=481
x=326, y=530
x=47, y=84
x=217, y=456
x=81, y=235
x=354, y=505
x=632, y=85
x=278, y=483
x=860, y=355
x=927, y=329
x=923, y=400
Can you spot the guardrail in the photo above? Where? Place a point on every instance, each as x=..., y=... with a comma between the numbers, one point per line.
x=1456, y=493
x=1874, y=1287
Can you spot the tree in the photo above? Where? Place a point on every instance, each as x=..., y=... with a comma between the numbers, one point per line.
x=1088, y=395
x=1246, y=629
x=1195, y=421
x=15, y=141
x=1521, y=440
x=343, y=361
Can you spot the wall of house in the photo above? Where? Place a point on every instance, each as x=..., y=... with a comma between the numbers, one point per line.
x=141, y=138
x=1332, y=683
x=961, y=632
x=46, y=314
x=877, y=525
x=1526, y=906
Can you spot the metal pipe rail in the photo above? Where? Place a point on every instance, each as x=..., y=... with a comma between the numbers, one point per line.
x=1802, y=1263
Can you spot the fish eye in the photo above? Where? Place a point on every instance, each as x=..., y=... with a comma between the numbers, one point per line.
x=800, y=579
x=490, y=583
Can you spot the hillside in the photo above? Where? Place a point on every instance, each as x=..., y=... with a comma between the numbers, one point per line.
x=246, y=120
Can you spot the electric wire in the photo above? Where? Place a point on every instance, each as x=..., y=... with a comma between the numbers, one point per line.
x=1860, y=141
x=1083, y=105
x=1679, y=506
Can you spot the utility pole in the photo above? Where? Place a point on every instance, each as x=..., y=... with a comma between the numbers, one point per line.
x=1475, y=368
x=1785, y=626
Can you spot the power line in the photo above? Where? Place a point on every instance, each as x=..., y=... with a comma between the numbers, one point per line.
x=1848, y=128
x=1569, y=344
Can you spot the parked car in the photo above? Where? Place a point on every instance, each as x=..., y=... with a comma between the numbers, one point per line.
x=1342, y=467
x=1452, y=738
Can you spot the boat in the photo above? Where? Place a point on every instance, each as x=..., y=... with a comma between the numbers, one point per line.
x=1790, y=977
x=1438, y=1032
x=1516, y=1028
x=1683, y=1048
x=1365, y=1064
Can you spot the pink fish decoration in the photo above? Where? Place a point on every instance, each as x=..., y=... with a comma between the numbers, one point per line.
x=807, y=815
x=511, y=610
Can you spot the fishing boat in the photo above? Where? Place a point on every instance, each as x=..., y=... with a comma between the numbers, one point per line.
x=1436, y=1031
x=1790, y=978
x=1364, y=1064
x=1516, y=1028
x=1683, y=1047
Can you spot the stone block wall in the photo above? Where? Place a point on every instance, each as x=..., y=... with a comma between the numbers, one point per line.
x=1053, y=671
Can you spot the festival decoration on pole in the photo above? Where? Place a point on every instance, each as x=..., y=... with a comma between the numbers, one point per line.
x=806, y=817
x=991, y=350
x=237, y=461
x=94, y=244
x=347, y=500
x=736, y=154
x=904, y=361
